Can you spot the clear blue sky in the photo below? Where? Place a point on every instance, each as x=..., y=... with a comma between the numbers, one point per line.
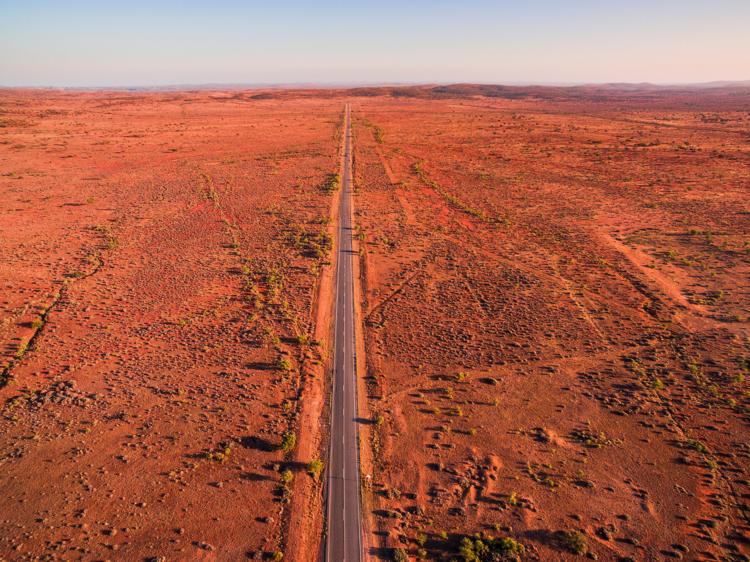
x=162, y=42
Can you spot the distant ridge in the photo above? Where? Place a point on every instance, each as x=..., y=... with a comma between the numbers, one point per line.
x=584, y=93
x=620, y=86
x=649, y=86
x=213, y=87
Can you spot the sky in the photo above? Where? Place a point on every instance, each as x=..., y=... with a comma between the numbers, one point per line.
x=165, y=42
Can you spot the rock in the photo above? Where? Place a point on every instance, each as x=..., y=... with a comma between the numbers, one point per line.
x=605, y=533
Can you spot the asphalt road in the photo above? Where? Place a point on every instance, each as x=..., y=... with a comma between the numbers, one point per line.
x=344, y=516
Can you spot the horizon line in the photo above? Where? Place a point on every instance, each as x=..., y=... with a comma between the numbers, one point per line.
x=224, y=86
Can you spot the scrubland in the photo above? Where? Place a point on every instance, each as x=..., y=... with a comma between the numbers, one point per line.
x=163, y=256
x=556, y=318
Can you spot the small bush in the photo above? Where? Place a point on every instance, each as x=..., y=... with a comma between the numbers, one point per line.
x=510, y=546
x=575, y=542
x=288, y=442
x=331, y=183
x=22, y=351
x=399, y=555
x=314, y=467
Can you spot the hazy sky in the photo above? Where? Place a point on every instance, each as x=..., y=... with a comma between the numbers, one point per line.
x=162, y=42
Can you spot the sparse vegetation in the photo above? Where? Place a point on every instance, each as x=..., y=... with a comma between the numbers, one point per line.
x=315, y=467
x=575, y=542
x=331, y=183
x=288, y=442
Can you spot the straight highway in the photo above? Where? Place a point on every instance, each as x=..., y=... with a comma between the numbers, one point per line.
x=344, y=540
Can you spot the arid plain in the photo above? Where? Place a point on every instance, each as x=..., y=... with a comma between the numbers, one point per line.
x=163, y=257
x=553, y=301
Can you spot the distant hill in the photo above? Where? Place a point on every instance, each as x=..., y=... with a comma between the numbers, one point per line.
x=433, y=91
x=649, y=86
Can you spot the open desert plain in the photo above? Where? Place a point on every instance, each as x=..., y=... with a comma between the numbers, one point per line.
x=162, y=261
x=555, y=304
x=551, y=314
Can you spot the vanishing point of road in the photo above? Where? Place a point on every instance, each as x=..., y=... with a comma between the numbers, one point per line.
x=344, y=541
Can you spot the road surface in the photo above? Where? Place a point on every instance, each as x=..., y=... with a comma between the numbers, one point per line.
x=344, y=518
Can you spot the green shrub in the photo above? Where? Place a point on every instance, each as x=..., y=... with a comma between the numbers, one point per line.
x=314, y=467
x=288, y=442
x=473, y=550
x=331, y=183
x=22, y=350
x=508, y=545
x=575, y=542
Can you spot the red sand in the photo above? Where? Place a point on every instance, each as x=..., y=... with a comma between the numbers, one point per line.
x=557, y=254
x=173, y=236
x=582, y=256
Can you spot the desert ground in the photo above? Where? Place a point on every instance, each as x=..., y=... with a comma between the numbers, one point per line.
x=556, y=318
x=554, y=309
x=163, y=257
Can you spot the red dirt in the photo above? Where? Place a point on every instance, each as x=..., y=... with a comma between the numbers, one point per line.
x=134, y=216
x=581, y=255
x=544, y=248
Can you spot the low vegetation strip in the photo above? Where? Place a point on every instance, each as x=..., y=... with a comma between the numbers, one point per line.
x=38, y=325
x=331, y=183
x=456, y=202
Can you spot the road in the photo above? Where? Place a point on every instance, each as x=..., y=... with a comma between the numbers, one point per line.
x=344, y=542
